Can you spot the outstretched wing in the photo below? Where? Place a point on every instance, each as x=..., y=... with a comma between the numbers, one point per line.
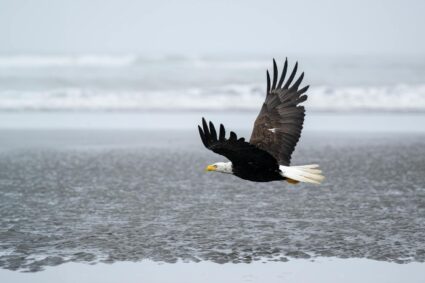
x=277, y=128
x=240, y=152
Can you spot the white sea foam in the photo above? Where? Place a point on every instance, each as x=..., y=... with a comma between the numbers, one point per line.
x=134, y=82
x=230, y=97
x=387, y=98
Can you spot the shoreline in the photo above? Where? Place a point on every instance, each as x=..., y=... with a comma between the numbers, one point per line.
x=314, y=121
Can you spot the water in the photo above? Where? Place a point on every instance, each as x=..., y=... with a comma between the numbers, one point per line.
x=133, y=82
x=130, y=195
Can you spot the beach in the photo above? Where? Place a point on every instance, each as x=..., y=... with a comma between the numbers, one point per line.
x=101, y=192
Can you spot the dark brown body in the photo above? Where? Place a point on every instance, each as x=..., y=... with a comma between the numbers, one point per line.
x=258, y=174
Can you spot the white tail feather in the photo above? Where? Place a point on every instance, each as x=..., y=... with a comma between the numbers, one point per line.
x=311, y=166
x=304, y=173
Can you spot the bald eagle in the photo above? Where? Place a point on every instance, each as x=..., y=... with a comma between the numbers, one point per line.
x=277, y=129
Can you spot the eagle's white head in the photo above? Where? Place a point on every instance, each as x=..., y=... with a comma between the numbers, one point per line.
x=223, y=167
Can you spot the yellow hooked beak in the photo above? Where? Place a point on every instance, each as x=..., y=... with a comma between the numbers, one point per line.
x=210, y=168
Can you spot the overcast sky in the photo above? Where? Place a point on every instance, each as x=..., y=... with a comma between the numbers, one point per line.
x=196, y=27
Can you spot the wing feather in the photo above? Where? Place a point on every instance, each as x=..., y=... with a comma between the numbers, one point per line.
x=275, y=74
x=303, y=90
x=268, y=81
x=240, y=152
x=222, y=133
x=278, y=126
x=282, y=77
x=291, y=77
x=233, y=136
x=297, y=83
x=213, y=131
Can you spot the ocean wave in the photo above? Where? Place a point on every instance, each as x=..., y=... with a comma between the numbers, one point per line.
x=229, y=97
x=387, y=98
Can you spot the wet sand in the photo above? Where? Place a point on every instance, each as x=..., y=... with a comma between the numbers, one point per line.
x=129, y=195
